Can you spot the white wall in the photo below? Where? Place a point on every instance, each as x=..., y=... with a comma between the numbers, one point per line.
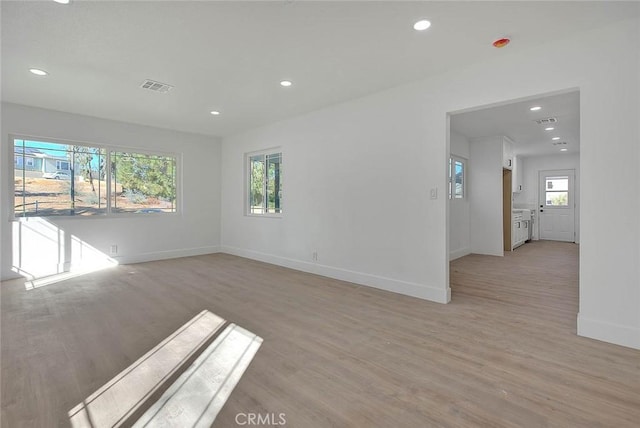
x=459, y=244
x=195, y=230
x=531, y=166
x=358, y=175
x=485, y=196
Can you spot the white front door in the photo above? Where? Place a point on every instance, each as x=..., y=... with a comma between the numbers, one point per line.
x=557, y=205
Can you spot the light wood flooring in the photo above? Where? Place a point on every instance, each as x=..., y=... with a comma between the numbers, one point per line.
x=504, y=352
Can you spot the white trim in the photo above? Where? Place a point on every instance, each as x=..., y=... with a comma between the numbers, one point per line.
x=609, y=332
x=168, y=254
x=412, y=289
x=456, y=254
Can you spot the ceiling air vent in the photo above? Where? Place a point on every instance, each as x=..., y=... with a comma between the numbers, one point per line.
x=559, y=143
x=152, y=85
x=546, y=120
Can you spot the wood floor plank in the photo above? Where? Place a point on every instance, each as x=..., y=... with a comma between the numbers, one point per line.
x=503, y=353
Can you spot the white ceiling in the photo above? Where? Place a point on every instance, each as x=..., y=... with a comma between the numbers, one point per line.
x=230, y=56
x=516, y=121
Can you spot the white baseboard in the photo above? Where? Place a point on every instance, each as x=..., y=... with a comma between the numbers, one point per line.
x=456, y=254
x=421, y=291
x=163, y=255
x=609, y=332
x=8, y=276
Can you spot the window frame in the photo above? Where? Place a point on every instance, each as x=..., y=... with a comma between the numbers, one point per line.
x=451, y=177
x=547, y=191
x=247, y=181
x=60, y=162
x=108, y=148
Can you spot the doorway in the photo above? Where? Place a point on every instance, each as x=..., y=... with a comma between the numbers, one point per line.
x=556, y=197
x=516, y=179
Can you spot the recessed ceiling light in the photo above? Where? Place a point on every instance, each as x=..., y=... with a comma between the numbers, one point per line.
x=62, y=1
x=563, y=150
x=421, y=25
x=286, y=83
x=551, y=128
x=38, y=72
x=215, y=112
x=555, y=138
x=535, y=108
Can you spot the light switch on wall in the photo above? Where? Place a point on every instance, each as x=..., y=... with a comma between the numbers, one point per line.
x=434, y=193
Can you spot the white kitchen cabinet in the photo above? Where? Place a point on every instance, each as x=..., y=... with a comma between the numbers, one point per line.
x=519, y=230
x=517, y=174
x=507, y=153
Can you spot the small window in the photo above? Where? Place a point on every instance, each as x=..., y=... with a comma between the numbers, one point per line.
x=264, y=183
x=62, y=165
x=30, y=162
x=456, y=177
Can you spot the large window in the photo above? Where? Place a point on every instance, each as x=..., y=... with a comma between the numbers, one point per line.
x=264, y=183
x=456, y=177
x=79, y=180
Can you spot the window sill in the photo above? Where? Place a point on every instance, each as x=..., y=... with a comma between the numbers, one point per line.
x=264, y=215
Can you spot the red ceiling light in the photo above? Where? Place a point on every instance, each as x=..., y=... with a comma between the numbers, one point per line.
x=500, y=43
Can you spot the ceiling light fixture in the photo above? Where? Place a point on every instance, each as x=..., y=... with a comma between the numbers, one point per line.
x=551, y=128
x=286, y=83
x=563, y=150
x=555, y=138
x=38, y=72
x=215, y=112
x=421, y=25
x=62, y=1
x=535, y=108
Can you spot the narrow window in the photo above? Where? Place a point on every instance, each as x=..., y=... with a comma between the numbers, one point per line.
x=456, y=178
x=264, y=183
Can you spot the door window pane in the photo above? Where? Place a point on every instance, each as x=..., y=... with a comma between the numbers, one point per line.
x=557, y=183
x=557, y=191
x=557, y=199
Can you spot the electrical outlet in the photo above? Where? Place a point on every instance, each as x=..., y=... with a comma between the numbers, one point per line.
x=315, y=256
x=114, y=249
x=434, y=193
